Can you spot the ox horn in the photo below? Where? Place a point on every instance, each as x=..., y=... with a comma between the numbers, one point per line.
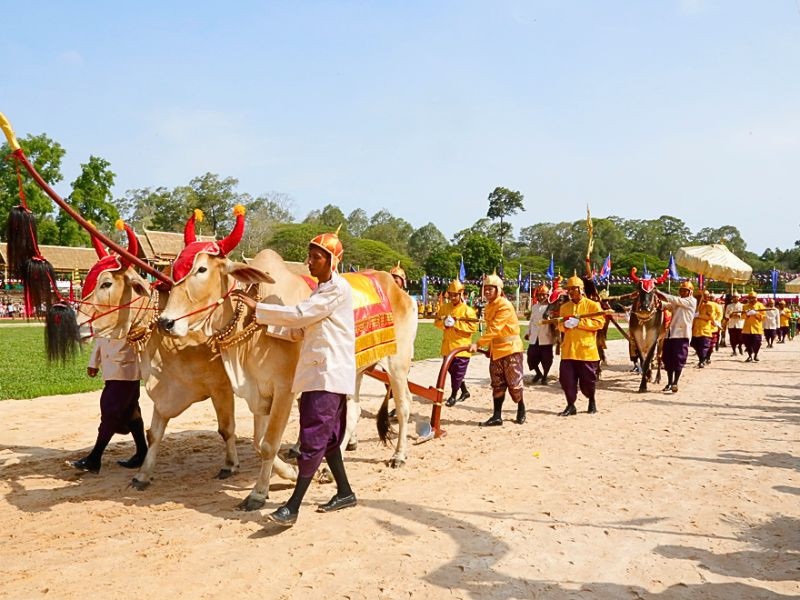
x=189, y=235
x=133, y=243
x=634, y=278
x=226, y=245
x=663, y=277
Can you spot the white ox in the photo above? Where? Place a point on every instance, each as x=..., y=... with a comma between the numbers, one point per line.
x=261, y=368
x=177, y=373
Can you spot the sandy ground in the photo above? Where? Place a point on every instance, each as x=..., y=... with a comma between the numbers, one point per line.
x=693, y=495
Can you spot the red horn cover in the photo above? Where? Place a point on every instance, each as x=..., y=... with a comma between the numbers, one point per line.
x=98, y=247
x=634, y=278
x=189, y=235
x=226, y=245
x=133, y=246
x=663, y=277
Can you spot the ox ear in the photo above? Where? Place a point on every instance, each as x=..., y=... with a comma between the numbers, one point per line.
x=247, y=274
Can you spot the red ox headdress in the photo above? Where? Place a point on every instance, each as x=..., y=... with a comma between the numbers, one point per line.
x=185, y=261
x=648, y=284
x=556, y=293
x=108, y=262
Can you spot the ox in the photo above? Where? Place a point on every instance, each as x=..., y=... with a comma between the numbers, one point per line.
x=177, y=373
x=647, y=325
x=260, y=362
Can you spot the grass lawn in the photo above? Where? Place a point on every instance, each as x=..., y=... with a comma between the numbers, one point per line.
x=25, y=372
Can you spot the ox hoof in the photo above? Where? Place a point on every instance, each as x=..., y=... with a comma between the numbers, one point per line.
x=225, y=473
x=139, y=485
x=397, y=462
x=351, y=446
x=250, y=504
x=325, y=475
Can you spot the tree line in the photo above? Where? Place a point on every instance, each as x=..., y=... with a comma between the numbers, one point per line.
x=378, y=240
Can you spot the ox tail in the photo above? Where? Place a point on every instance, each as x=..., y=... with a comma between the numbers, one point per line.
x=382, y=420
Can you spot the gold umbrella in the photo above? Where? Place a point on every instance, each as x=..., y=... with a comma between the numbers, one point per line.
x=714, y=261
x=793, y=286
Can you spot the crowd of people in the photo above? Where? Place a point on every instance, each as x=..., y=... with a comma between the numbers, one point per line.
x=10, y=309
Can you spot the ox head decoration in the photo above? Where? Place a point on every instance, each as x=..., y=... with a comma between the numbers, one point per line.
x=648, y=284
x=204, y=278
x=112, y=291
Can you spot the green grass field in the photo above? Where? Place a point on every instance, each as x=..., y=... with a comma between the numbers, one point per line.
x=25, y=373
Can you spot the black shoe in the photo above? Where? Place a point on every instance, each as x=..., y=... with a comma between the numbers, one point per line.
x=337, y=503
x=85, y=464
x=701, y=365
x=592, y=407
x=667, y=388
x=748, y=359
x=283, y=516
x=451, y=401
x=543, y=381
x=569, y=411
x=755, y=359
x=134, y=462
x=464, y=395
x=536, y=378
x=493, y=421
x=521, y=417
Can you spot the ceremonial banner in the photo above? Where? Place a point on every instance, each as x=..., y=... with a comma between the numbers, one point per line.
x=375, y=334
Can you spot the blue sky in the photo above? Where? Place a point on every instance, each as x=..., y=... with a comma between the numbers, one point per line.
x=638, y=108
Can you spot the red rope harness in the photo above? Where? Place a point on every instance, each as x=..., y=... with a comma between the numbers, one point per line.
x=213, y=306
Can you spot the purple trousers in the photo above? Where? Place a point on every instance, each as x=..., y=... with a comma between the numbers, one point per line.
x=735, y=336
x=675, y=353
x=752, y=342
x=540, y=355
x=322, y=425
x=578, y=373
x=119, y=405
x=458, y=370
x=769, y=335
x=783, y=332
x=702, y=345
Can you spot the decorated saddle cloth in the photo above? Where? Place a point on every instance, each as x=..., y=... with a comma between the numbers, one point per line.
x=375, y=334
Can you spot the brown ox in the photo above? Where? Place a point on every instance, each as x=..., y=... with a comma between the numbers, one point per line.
x=177, y=373
x=261, y=368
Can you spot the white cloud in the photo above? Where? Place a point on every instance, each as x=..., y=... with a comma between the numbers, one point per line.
x=70, y=57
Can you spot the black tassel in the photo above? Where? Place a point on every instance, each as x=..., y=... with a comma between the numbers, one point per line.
x=39, y=279
x=21, y=238
x=61, y=333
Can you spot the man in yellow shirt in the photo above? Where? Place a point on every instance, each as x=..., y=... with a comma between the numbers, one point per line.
x=505, y=350
x=753, y=328
x=785, y=318
x=702, y=328
x=458, y=322
x=579, y=355
x=716, y=326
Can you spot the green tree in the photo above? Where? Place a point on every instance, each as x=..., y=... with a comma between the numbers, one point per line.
x=481, y=255
x=392, y=231
x=91, y=196
x=215, y=197
x=357, y=222
x=443, y=262
x=483, y=226
x=264, y=214
x=727, y=234
x=425, y=240
x=504, y=203
x=46, y=156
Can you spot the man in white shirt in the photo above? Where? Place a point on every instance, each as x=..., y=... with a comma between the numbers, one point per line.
x=540, y=338
x=772, y=322
x=119, y=402
x=733, y=315
x=325, y=374
x=676, y=346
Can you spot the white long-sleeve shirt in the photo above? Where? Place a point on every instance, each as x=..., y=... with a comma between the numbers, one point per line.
x=543, y=334
x=734, y=321
x=117, y=360
x=772, y=318
x=682, y=315
x=328, y=352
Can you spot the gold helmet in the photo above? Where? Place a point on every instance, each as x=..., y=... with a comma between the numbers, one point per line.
x=687, y=285
x=455, y=287
x=331, y=244
x=781, y=302
x=542, y=290
x=397, y=271
x=752, y=294
x=574, y=281
x=493, y=280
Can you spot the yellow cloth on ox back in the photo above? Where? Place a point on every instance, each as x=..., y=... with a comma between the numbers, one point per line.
x=502, y=329
x=459, y=334
x=374, y=320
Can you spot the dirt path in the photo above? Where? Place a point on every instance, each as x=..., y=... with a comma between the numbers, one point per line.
x=694, y=495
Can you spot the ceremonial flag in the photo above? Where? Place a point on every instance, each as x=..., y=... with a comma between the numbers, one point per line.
x=774, y=273
x=462, y=272
x=673, y=268
x=551, y=270
x=424, y=288
x=606, y=270
x=646, y=272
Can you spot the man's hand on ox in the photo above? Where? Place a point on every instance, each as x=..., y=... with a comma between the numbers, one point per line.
x=571, y=323
x=242, y=296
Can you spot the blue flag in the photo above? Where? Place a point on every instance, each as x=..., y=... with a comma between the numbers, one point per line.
x=424, y=288
x=551, y=270
x=673, y=268
x=462, y=272
x=528, y=284
x=646, y=272
x=774, y=273
x=606, y=270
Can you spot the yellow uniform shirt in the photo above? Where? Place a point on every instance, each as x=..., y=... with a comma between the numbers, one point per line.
x=502, y=329
x=718, y=312
x=580, y=343
x=754, y=323
x=702, y=325
x=786, y=314
x=459, y=334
